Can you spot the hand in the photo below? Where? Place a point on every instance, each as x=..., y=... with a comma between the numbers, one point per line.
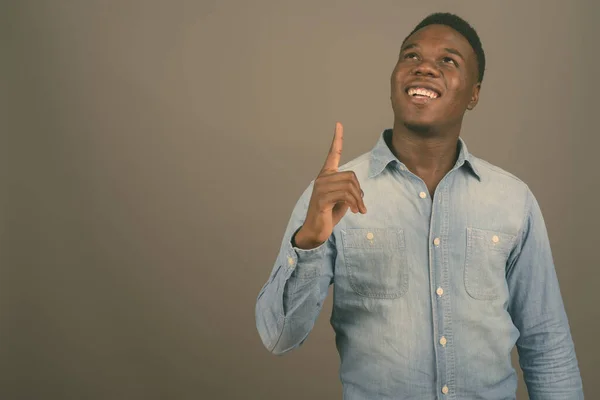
x=333, y=194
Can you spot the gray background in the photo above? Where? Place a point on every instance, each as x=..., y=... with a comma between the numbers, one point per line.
x=153, y=151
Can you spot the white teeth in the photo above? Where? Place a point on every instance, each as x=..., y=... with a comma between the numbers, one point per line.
x=422, y=92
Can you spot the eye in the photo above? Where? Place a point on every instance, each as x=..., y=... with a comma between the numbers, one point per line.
x=410, y=55
x=449, y=60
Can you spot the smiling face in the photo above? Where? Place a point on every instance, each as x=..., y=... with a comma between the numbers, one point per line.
x=435, y=80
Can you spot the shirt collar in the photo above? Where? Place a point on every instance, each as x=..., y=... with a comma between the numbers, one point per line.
x=381, y=156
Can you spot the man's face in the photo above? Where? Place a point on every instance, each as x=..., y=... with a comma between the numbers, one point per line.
x=435, y=79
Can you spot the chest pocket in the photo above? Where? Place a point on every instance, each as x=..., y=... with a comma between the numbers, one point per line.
x=376, y=261
x=485, y=263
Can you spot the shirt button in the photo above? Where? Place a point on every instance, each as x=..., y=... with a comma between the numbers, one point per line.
x=445, y=389
x=439, y=291
x=370, y=235
x=443, y=341
x=290, y=261
x=402, y=168
x=495, y=239
x=436, y=241
x=422, y=195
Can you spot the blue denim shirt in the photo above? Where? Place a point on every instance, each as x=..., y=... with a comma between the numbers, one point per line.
x=430, y=295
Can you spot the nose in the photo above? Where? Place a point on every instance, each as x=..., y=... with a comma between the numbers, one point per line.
x=426, y=68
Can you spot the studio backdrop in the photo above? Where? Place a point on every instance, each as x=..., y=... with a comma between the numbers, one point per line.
x=153, y=152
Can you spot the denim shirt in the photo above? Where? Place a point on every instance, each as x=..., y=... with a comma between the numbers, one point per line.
x=430, y=295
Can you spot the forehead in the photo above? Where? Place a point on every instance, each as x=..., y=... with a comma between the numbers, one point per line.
x=441, y=36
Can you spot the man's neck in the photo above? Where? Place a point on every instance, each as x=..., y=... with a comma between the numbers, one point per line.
x=429, y=156
x=424, y=152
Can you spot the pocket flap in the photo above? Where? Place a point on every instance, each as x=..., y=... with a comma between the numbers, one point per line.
x=493, y=240
x=373, y=238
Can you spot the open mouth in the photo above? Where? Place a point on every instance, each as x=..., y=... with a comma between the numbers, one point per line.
x=422, y=92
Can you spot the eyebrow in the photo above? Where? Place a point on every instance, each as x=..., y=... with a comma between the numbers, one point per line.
x=448, y=49
x=454, y=51
x=408, y=46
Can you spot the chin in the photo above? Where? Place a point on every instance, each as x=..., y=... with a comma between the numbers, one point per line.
x=420, y=128
x=418, y=124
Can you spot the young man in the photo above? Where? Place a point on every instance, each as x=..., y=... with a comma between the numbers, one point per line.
x=440, y=261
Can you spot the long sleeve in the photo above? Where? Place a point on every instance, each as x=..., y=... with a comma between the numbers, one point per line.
x=545, y=346
x=290, y=301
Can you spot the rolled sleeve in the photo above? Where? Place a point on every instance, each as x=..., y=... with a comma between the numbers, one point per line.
x=545, y=346
x=290, y=301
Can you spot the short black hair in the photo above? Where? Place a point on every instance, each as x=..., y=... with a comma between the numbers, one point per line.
x=461, y=26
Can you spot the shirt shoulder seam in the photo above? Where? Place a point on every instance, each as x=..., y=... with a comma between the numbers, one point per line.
x=497, y=169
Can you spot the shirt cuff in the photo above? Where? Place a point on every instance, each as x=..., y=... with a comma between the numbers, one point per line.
x=304, y=262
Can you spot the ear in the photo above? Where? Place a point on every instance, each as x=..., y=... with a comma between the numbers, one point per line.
x=474, y=96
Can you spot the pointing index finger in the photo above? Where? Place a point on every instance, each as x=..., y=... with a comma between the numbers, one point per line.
x=332, y=161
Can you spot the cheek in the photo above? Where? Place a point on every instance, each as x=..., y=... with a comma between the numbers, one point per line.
x=461, y=93
x=397, y=77
x=395, y=81
x=456, y=81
